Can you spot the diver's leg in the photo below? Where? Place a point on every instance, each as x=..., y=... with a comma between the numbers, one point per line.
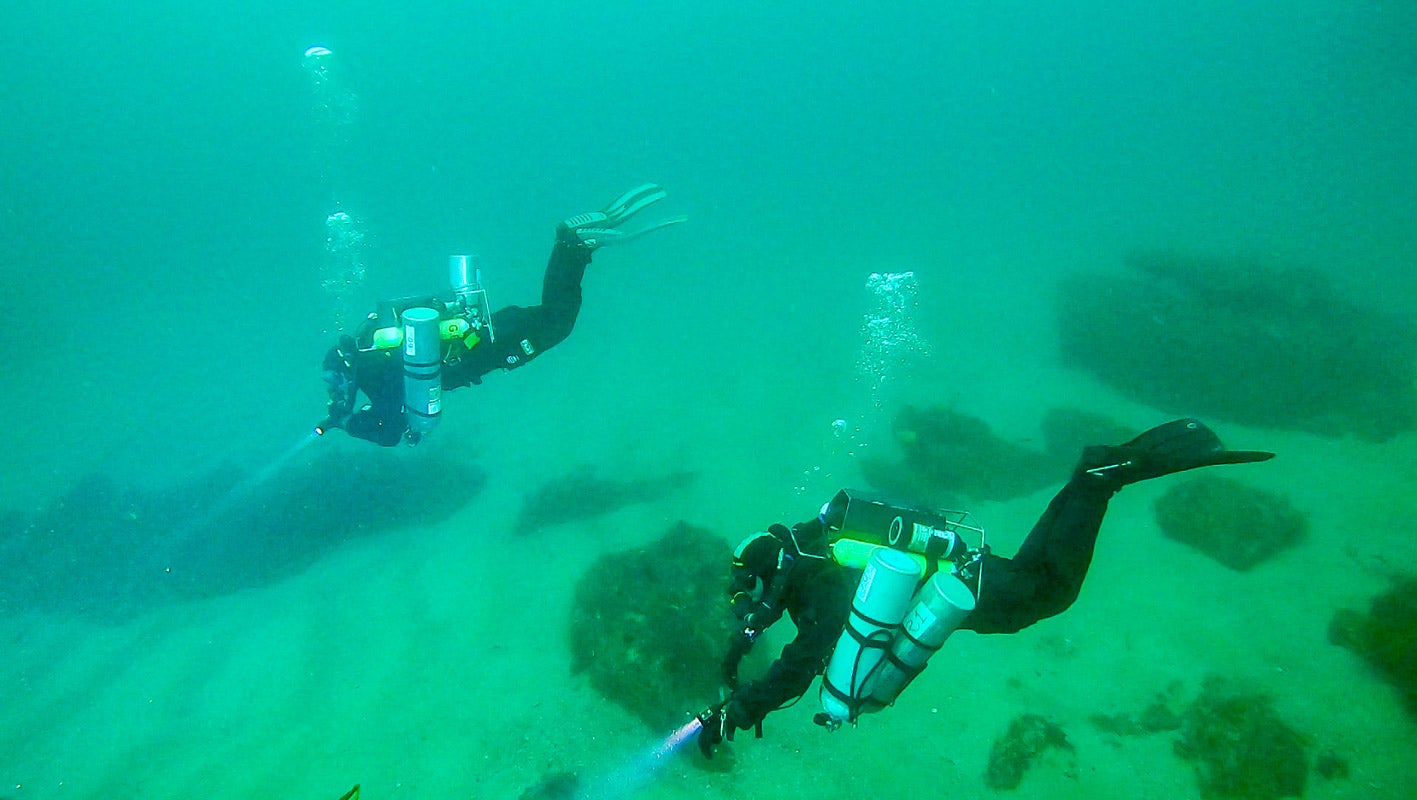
x=380, y=428
x=1045, y=577
x=560, y=294
x=380, y=377
x=521, y=333
x=1061, y=543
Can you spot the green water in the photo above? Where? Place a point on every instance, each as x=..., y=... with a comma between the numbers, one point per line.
x=167, y=173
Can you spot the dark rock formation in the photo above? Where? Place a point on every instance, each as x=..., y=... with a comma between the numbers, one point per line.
x=1243, y=342
x=1028, y=736
x=1385, y=636
x=947, y=455
x=1240, y=746
x=110, y=550
x=1233, y=523
x=1066, y=431
x=582, y=494
x=1159, y=716
x=650, y=625
x=559, y=786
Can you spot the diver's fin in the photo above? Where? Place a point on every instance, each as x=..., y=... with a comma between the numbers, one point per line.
x=600, y=228
x=352, y=794
x=602, y=237
x=1176, y=446
x=632, y=202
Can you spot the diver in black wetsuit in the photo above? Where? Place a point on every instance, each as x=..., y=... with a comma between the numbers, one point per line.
x=791, y=570
x=506, y=339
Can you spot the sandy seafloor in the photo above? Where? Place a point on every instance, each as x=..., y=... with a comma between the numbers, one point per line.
x=432, y=662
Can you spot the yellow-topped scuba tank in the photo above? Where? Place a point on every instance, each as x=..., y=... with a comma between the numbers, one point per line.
x=866, y=517
x=912, y=595
x=456, y=329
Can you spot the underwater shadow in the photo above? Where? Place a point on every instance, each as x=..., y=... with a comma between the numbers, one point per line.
x=110, y=551
x=582, y=494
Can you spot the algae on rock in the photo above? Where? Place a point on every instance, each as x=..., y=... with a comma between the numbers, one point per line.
x=1240, y=746
x=650, y=624
x=1235, y=524
x=1028, y=737
x=1385, y=637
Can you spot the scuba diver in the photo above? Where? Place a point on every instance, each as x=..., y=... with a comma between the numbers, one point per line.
x=870, y=632
x=410, y=350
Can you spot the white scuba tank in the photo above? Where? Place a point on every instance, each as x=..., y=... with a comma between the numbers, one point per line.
x=882, y=598
x=940, y=606
x=422, y=369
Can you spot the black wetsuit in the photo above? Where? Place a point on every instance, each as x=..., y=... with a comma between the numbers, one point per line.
x=1042, y=580
x=522, y=334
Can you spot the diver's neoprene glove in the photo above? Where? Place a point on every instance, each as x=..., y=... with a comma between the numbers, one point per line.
x=719, y=722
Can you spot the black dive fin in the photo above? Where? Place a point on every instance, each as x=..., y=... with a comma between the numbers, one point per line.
x=1176, y=446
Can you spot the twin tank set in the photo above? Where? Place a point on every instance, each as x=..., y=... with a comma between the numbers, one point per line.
x=913, y=593
x=423, y=327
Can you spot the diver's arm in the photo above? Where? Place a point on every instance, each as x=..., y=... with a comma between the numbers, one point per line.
x=802, y=660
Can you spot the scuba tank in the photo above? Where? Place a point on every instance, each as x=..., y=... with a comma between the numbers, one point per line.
x=467, y=318
x=471, y=299
x=940, y=606
x=881, y=600
x=422, y=369
x=852, y=514
x=913, y=594
x=429, y=332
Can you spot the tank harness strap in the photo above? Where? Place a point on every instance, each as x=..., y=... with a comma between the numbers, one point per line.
x=867, y=642
x=840, y=695
x=936, y=549
x=910, y=671
x=863, y=639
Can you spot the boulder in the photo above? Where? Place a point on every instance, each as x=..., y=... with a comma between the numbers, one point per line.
x=651, y=624
x=1385, y=636
x=1242, y=341
x=1233, y=523
x=111, y=549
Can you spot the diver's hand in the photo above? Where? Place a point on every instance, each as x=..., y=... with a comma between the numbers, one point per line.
x=338, y=373
x=713, y=728
x=341, y=407
x=719, y=722
x=331, y=422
